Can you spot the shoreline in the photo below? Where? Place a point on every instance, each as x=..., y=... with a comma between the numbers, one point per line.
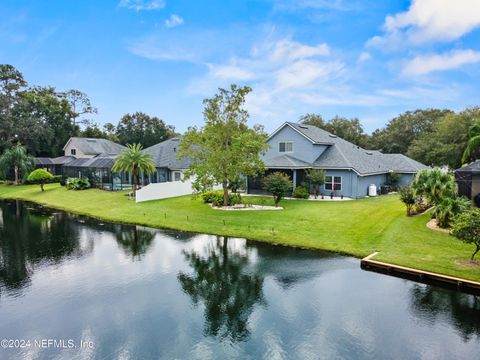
x=401, y=240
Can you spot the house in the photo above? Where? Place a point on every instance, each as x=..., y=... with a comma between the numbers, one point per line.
x=169, y=166
x=93, y=159
x=350, y=170
x=468, y=180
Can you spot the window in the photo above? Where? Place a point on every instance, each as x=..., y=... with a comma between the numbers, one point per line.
x=73, y=152
x=177, y=176
x=333, y=183
x=285, y=146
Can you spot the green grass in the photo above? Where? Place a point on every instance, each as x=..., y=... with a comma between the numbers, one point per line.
x=352, y=227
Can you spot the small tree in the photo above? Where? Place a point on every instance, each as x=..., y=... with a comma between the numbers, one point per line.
x=225, y=147
x=435, y=185
x=446, y=211
x=407, y=196
x=278, y=184
x=317, y=179
x=40, y=176
x=467, y=229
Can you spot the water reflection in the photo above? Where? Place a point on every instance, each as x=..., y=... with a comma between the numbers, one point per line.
x=31, y=236
x=134, y=240
x=229, y=292
x=435, y=304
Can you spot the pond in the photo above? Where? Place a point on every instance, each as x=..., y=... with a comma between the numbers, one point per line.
x=73, y=287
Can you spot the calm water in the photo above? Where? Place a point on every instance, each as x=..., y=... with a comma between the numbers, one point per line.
x=139, y=293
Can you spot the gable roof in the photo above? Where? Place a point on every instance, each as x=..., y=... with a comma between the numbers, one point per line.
x=342, y=154
x=165, y=154
x=91, y=146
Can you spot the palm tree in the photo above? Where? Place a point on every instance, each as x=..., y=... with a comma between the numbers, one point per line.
x=473, y=142
x=134, y=160
x=17, y=158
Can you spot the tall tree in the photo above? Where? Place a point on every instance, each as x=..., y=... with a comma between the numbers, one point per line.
x=401, y=131
x=348, y=129
x=313, y=119
x=43, y=121
x=80, y=104
x=134, y=161
x=141, y=128
x=11, y=83
x=16, y=159
x=445, y=144
x=225, y=147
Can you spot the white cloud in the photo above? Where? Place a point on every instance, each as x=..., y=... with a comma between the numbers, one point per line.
x=139, y=5
x=429, y=21
x=425, y=64
x=173, y=20
x=364, y=56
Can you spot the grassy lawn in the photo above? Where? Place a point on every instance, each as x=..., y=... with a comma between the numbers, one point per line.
x=352, y=227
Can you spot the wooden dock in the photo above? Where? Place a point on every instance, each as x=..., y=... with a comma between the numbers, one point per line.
x=427, y=277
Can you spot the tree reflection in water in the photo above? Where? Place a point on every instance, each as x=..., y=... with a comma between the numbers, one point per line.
x=134, y=240
x=222, y=282
x=461, y=310
x=31, y=236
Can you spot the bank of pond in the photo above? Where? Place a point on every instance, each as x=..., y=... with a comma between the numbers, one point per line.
x=138, y=292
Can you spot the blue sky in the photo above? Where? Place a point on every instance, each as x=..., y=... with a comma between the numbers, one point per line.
x=370, y=59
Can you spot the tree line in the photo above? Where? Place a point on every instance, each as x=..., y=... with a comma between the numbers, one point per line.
x=431, y=136
x=42, y=118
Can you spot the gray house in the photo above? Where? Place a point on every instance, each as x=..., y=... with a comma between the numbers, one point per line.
x=169, y=167
x=350, y=170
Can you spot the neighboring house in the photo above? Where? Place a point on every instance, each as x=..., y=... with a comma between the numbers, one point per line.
x=94, y=159
x=468, y=180
x=350, y=170
x=169, y=166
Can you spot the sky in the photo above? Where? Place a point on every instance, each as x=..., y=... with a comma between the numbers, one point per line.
x=370, y=59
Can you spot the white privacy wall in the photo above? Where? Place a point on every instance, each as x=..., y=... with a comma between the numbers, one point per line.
x=165, y=190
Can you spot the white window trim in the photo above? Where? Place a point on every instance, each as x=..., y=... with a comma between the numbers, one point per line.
x=333, y=182
x=285, y=142
x=73, y=151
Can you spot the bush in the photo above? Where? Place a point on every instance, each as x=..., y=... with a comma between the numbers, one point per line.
x=216, y=198
x=407, y=196
x=449, y=208
x=301, y=192
x=39, y=176
x=53, y=179
x=77, y=183
x=278, y=184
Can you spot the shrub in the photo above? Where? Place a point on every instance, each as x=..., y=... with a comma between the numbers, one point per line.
x=446, y=211
x=435, y=185
x=301, y=192
x=77, y=183
x=467, y=229
x=216, y=198
x=316, y=178
x=394, y=178
x=278, y=184
x=39, y=176
x=407, y=196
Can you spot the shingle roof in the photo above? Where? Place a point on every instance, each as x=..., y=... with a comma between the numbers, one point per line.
x=165, y=154
x=91, y=146
x=286, y=161
x=472, y=167
x=342, y=154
